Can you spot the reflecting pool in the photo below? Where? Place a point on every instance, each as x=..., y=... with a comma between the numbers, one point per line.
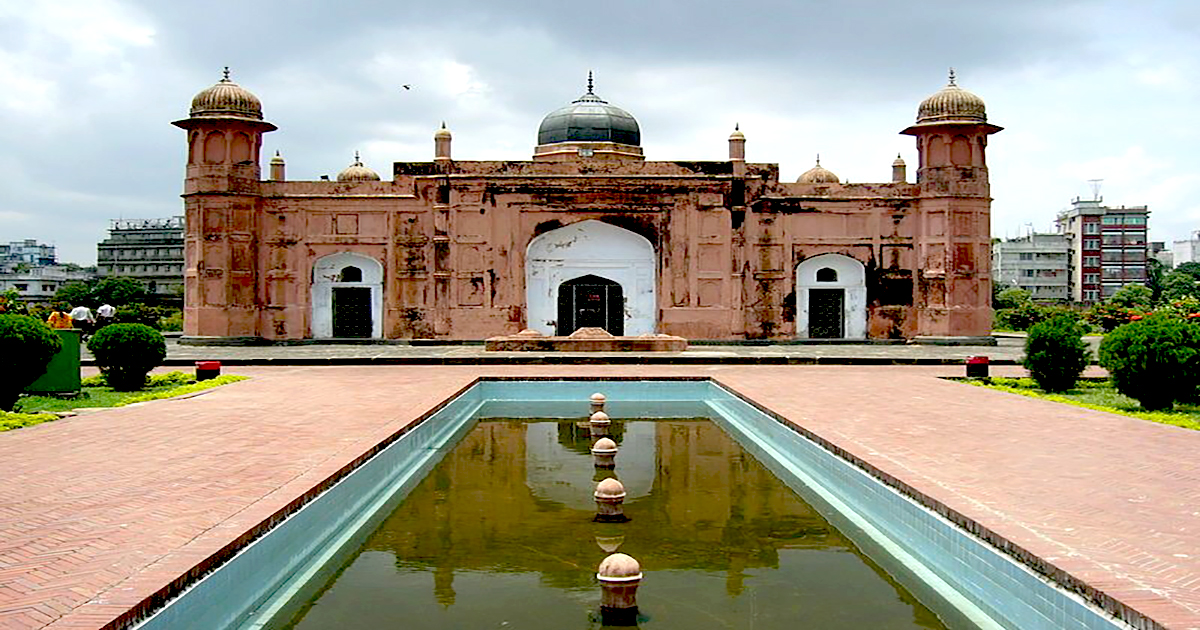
x=500, y=534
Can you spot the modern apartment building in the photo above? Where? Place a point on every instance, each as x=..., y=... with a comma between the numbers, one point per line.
x=149, y=250
x=1188, y=250
x=1037, y=263
x=1108, y=247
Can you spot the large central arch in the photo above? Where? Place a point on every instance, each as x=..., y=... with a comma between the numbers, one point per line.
x=597, y=249
x=347, y=296
x=831, y=298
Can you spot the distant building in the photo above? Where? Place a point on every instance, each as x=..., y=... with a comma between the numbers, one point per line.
x=1108, y=247
x=149, y=250
x=1187, y=251
x=37, y=284
x=1160, y=252
x=26, y=253
x=1036, y=263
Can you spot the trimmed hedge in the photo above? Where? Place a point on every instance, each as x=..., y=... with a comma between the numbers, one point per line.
x=1055, y=353
x=1155, y=360
x=126, y=353
x=26, y=347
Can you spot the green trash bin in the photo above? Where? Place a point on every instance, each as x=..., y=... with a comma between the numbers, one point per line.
x=62, y=375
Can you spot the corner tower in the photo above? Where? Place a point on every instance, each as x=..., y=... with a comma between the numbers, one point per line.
x=953, y=241
x=224, y=132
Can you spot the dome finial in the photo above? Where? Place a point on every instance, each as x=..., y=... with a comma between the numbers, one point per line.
x=818, y=159
x=443, y=124
x=952, y=77
x=357, y=162
x=226, y=73
x=589, y=82
x=735, y=127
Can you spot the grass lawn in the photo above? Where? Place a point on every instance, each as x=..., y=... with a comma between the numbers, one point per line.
x=1101, y=395
x=38, y=409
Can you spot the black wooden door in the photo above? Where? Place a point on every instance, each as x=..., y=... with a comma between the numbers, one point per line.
x=825, y=313
x=352, y=312
x=590, y=302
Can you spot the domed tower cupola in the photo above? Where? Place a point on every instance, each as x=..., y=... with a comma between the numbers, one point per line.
x=951, y=131
x=818, y=175
x=588, y=128
x=226, y=99
x=357, y=172
x=225, y=126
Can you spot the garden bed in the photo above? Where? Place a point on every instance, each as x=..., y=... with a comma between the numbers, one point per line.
x=95, y=393
x=1097, y=394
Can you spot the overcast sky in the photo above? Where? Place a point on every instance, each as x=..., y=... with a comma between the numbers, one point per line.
x=1085, y=90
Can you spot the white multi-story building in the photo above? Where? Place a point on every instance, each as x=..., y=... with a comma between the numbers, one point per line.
x=39, y=284
x=1187, y=251
x=1037, y=263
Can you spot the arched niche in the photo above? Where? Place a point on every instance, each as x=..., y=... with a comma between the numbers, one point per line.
x=347, y=296
x=831, y=298
x=597, y=249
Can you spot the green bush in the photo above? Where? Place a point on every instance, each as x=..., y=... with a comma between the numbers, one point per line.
x=126, y=353
x=171, y=321
x=1155, y=360
x=1055, y=353
x=26, y=347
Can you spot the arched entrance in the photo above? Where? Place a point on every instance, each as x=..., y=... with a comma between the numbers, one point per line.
x=831, y=298
x=565, y=268
x=347, y=297
x=590, y=301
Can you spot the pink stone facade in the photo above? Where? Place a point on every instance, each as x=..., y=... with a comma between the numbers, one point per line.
x=451, y=236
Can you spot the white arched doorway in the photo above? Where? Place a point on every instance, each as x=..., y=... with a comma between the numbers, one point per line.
x=594, y=274
x=831, y=298
x=347, y=296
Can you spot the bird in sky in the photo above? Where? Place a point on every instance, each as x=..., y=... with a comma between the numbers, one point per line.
x=407, y=86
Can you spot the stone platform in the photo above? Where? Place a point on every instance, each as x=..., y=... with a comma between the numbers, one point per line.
x=585, y=340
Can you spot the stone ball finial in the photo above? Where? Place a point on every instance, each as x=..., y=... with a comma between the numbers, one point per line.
x=619, y=567
x=610, y=489
x=599, y=418
x=604, y=452
x=598, y=398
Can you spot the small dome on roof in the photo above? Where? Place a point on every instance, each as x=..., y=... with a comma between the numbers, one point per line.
x=952, y=104
x=898, y=161
x=443, y=132
x=356, y=172
x=818, y=175
x=737, y=133
x=227, y=98
x=589, y=119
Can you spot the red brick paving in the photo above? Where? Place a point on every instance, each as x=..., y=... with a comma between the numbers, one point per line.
x=101, y=511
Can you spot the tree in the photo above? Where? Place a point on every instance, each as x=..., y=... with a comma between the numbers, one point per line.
x=26, y=347
x=1178, y=285
x=1190, y=268
x=125, y=354
x=75, y=294
x=118, y=290
x=1155, y=272
x=1012, y=297
x=1133, y=296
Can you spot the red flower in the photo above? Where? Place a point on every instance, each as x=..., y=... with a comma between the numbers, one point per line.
x=1135, y=318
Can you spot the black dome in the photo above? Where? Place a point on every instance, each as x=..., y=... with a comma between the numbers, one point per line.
x=590, y=119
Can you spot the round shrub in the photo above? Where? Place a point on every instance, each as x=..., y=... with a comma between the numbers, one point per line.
x=126, y=353
x=1155, y=360
x=1055, y=353
x=26, y=347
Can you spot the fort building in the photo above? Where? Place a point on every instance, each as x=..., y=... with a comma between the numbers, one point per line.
x=587, y=232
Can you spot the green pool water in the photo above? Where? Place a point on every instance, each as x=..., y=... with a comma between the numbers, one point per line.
x=500, y=535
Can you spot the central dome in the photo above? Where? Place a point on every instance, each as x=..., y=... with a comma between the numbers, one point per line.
x=589, y=118
x=952, y=103
x=227, y=98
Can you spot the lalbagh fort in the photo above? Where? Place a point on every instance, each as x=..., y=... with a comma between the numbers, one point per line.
x=586, y=233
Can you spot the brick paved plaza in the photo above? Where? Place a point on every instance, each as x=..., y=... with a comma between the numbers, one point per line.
x=100, y=512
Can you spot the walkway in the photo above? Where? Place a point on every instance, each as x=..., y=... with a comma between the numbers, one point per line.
x=100, y=512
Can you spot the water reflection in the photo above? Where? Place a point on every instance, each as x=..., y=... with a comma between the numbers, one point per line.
x=501, y=532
